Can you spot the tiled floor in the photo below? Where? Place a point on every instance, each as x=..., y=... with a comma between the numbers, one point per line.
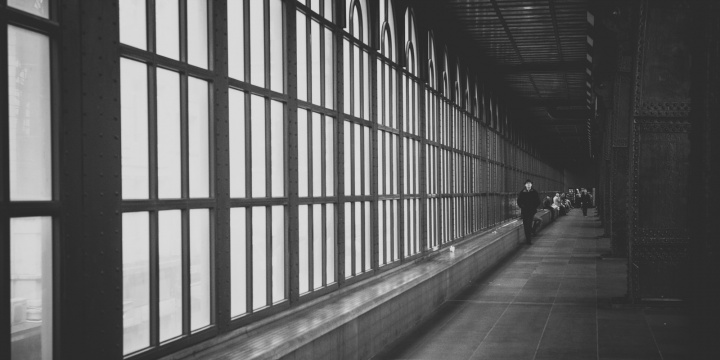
x=551, y=300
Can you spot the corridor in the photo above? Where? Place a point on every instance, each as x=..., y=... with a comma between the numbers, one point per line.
x=551, y=300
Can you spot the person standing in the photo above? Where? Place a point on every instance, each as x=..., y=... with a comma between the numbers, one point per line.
x=585, y=201
x=528, y=201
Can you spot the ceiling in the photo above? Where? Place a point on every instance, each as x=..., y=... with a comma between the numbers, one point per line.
x=540, y=54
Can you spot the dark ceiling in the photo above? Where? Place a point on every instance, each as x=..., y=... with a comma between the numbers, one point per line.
x=539, y=54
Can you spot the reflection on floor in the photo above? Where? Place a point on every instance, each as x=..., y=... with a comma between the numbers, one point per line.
x=551, y=300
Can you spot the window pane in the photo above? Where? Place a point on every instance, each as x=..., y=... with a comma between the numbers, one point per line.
x=329, y=156
x=302, y=71
x=198, y=138
x=348, y=240
x=197, y=33
x=168, y=134
x=356, y=159
x=303, y=153
x=257, y=42
x=199, y=268
x=315, y=62
x=170, y=273
x=132, y=23
x=259, y=257
x=29, y=115
x=167, y=17
x=237, y=143
x=257, y=141
x=347, y=161
x=317, y=246
x=31, y=292
x=278, y=253
x=277, y=74
x=330, y=241
x=329, y=67
x=136, y=281
x=238, y=262
x=39, y=8
x=304, y=247
x=277, y=147
x=236, y=39
x=134, y=125
x=317, y=154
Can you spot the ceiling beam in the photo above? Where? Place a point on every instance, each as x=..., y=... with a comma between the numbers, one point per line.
x=543, y=67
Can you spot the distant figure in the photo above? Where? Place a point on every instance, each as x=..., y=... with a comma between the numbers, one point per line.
x=557, y=204
x=528, y=200
x=547, y=204
x=585, y=201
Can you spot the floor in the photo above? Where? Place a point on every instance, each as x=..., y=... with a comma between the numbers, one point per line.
x=555, y=299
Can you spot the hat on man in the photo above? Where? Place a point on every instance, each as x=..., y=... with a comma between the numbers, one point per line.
x=528, y=181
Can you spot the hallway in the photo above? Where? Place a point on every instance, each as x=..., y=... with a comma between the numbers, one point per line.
x=550, y=300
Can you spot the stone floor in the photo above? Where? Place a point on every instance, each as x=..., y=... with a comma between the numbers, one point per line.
x=551, y=300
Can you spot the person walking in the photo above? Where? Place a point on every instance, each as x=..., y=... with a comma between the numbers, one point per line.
x=585, y=201
x=528, y=201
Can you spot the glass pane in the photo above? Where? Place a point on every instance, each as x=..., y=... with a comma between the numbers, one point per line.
x=198, y=138
x=277, y=74
x=199, y=268
x=170, y=273
x=346, y=76
x=168, y=134
x=317, y=246
x=347, y=161
x=329, y=67
x=368, y=235
x=133, y=20
x=167, y=17
x=30, y=128
x=317, y=154
x=237, y=143
x=257, y=141
x=257, y=42
x=356, y=159
x=302, y=70
x=278, y=253
x=329, y=156
x=357, y=237
x=303, y=174
x=348, y=240
x=277, y=147
x=236, y=39
x=238, y=262
x=315, y=62
x=355, y=82
x=35, y=7
x=330, y=243
x=366, y=154
x=197, y=33
x=134, y=126
x=31, y=291
x=304, y=249
x=259, y=257
x=136, y=281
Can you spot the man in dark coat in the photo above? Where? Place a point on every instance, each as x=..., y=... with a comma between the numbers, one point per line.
x=585, y=201
x=528, y=201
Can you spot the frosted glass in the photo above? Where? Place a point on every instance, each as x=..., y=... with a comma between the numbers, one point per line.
x=197, y=33
x=304, y=249
x=328, y=10
x=381, y=162
x=346, y=76
x=315, y=62
x=315, y=5
x=31, y=290
x=347, y=158
x=278, y=253
x=366, y=154
x=134, y=129
x=330, y=243
x=257, y=142
x=368, y=236
x=357, y=160
x=356, y=85
x=236, y=39
x=381, y=233
x=303, y=151
x=277, y=73
x=133, y=27
x=200, y=286
x=329, y=156
x=394, y=156
x=167, y=27
x=317, y=154
x=302, y=71
x=329, y=67
x=136, y=281
x=394, y=230
x=168, y=134
x=257, y=43
x=198, y=138
x=170, y=273
x=237, y=143
x=29, y=119
x=348, y=240
x=357, y=237
x=238, y=262
x=277, y=148
x=35, y=7
x=366, y=85
x=259, y=257
x=317, y=246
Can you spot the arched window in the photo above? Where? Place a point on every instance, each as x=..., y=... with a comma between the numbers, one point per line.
x=432, y=79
